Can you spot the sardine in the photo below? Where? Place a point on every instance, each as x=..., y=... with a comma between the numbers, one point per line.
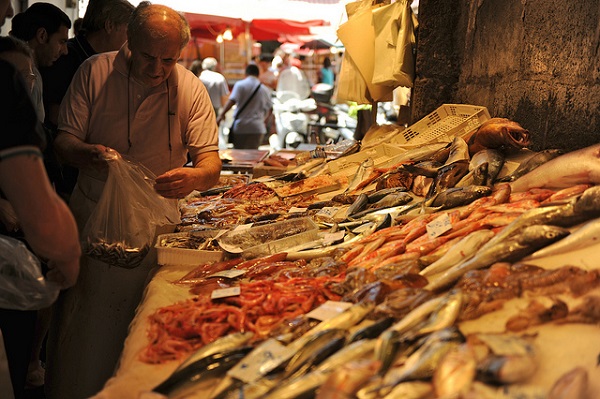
x=514, y=248
x=459, y=252
x=531, y=163
x=586, y=235
x=576, y=167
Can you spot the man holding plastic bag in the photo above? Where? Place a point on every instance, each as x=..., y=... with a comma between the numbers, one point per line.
x=132, y=115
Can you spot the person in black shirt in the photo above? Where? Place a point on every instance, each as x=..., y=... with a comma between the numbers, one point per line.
x=104, y=28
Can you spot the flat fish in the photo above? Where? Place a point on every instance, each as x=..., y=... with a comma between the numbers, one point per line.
x=576, y=167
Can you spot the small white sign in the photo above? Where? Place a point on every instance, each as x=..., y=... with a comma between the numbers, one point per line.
x=260, y=361
x=328, y=310
x=231, y=273
x=439, y=226
x=225, y=292
x=328, y=211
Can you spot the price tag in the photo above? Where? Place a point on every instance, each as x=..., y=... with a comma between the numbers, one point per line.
x=260, y=361
x=328, y=211
x=439, y=226
x=231, y=273
x=297, y=210
x=225, y=292
x=330, y=238
x=328, y=310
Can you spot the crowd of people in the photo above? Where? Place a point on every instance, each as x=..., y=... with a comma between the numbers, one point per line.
x=116, y=85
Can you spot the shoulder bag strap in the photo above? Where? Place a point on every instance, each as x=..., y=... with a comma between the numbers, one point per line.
x=248, y=100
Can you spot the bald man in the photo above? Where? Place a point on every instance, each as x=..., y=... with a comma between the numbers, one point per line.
x=140, y=102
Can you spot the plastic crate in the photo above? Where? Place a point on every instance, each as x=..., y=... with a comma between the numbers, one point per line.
x=185, y=256
x=348, y=165
x=443, y=124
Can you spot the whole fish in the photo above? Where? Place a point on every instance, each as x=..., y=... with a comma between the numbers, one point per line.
x=198, y=371
x=353, y=351
x=443, y=316
x=531, y=163
x=459, y=151
x=576, y=167
x=364, y=170
x=455, y=372
x=514, y=248
x=477, y=177
x=459, y=196
x=459, y=252
x=373, y=330
x=379, y=194
x=586, y=235
x=411, y=390
x=358, y=205
x=447, y=176
x=493, y=158
x=221, y=345
x=319, y=347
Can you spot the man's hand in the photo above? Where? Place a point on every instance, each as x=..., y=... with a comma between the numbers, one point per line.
x=176, y=183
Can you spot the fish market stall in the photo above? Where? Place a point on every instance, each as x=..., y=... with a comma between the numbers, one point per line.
x=435, y=270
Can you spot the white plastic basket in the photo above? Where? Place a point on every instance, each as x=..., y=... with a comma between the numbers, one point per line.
x=184, y=256
x=443, y=124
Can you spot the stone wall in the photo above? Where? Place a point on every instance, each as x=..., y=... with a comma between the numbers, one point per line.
x=534, y=61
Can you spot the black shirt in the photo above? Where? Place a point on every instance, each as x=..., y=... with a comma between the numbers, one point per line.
x=19, y=124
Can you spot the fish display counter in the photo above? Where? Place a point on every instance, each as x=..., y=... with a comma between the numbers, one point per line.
x=456, y=270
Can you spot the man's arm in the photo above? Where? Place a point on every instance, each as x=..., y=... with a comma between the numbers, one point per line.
x=75, y=152
x=48, y=224
x=179, y=182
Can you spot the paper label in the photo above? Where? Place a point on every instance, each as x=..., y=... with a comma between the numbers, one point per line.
x=231, y=273
x=297, y=210
x=260, y=361
x=328, y=310
x=328, y=211
x=438, y=226
x=225, y=292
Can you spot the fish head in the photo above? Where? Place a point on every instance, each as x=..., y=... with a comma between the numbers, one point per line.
x=589, y=201
x=540, y=235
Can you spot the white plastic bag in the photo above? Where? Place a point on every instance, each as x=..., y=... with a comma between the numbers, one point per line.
x=121, y=229
x=22, y=285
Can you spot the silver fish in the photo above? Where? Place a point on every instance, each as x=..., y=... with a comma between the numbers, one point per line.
x=493, y=158
x=586, y=235
x=455, y=372
x=447, y=176
x=305, y=385
x=459, y=252
x=379, y=194
x=222, y=344
x=458, y=196
x=313, y=352
x=531, y=163
x=459, y=151
x=576, y=167
x=364, y=170
x=358, y=205
x=514, y=248
x=353, y=351
x=477, y=177
x=444, y=315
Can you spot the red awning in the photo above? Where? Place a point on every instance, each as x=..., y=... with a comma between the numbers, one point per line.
x=210, y=26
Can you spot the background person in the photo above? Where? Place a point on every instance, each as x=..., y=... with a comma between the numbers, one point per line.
x=103, y=28
x=45, y=28
x=215, y=83
x=253, y=107
x=142, y=103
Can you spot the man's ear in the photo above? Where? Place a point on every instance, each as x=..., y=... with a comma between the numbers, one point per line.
x=109, y=26
x=41, y=35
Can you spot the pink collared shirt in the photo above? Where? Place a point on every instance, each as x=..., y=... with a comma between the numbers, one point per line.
x=161, y=129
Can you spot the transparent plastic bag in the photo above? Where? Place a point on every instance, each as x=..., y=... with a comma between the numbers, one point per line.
x=22, y=285
x=121, y=229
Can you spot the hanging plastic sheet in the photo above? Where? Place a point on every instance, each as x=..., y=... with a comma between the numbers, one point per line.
x=358, y=37
x=394, y=27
